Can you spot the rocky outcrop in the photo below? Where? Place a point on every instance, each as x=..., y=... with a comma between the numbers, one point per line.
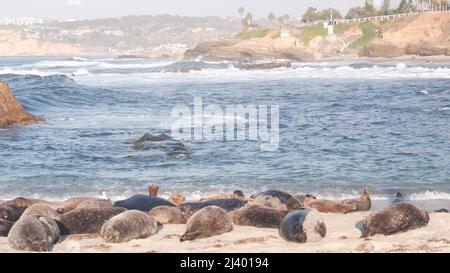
x=426, y=34
x=11, y=111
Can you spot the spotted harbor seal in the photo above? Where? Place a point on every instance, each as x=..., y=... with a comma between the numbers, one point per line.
x=41, y=209
x=301, y=226
x=327, y=206
x=34, y=233
x=363, y=203
x=226, y=195
x=5, y=226
x=394, y=219
x=95, y=203
x=167, y=215
x=188, y=209
x=24, y=203
x=275, y=199
x=207, y=222
x=86, y=220
x=259, y=216
x=153, y=190
x=177, y=198
x=72, y=203
x=142, y=202
x=129, y=225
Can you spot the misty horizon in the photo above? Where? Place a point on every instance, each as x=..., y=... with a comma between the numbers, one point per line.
x=95, y=9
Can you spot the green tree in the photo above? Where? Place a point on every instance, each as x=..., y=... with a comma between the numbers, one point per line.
x=284, y=20
x=271, y=17
x=357, y=12
x=326, y=14
x=406, y=6
x=385, y=7
x=369, y=8
x=241, y=11
x=311, y=14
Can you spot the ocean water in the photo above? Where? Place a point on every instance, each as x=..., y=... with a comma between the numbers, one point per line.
x=343, y=125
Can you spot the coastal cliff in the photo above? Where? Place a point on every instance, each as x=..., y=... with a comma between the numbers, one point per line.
x=11, y=111
x=426, y=34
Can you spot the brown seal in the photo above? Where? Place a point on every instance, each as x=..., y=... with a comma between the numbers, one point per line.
x=41, y=209
x=394, y=219
x=167, y=215
x=226, y=195
x=10, y=212
x=177, y=198
x=327, y=206
x=363, y=203
x=86, y=220
x=259, y=216
x=34, y=233
x=72, y=203
x=207, y=222
x=127, y=226
x=153, y=190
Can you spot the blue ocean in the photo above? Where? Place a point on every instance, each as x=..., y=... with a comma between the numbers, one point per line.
x=342, y=125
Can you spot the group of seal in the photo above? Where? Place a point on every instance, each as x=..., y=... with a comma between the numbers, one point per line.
x=35, y=225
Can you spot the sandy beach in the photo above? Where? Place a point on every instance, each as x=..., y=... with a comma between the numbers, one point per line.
x=342, y=236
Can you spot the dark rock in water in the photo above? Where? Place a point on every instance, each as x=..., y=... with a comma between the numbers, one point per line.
x=184, y=69
x=86, y=220
x=5, y=226
x=188, y=209
x=302, y=226
x=10, y=212
x=138, y=144
x=441, y=211
x=11, y=111
x=262, y=65
x=398, y=198
x=34, y=233
x=142, y=202
x=162, y=142
x=394, y=219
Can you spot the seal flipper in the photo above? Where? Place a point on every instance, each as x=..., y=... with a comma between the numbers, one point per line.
x=301, y=237
x=190, y=236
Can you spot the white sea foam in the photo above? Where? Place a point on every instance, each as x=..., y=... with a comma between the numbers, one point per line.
x=24, y=72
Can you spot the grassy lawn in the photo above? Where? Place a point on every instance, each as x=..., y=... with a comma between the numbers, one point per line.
x=310, y=32
x=369, y=32
x=253, y=34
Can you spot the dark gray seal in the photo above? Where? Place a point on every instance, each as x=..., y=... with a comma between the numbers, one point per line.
x=10, y=212
x=41, y=209
x=259, y=216
x=394, y=219
x=363, y=203
x=34, y=233
x=142, y=202
x=5, y=226
x=302, y=226
x=207, y=222
x=398, y=198
x=86, y=220
x=167, y=215
x=127, y=226
x=189, y=208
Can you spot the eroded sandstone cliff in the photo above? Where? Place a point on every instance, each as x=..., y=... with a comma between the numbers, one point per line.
x=11, y=111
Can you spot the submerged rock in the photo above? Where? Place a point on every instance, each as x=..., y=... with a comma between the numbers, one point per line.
x=11, y=111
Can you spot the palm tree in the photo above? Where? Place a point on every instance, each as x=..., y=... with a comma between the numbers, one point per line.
x=241, y=11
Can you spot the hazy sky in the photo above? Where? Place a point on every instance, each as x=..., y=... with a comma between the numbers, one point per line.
x=85, y=9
